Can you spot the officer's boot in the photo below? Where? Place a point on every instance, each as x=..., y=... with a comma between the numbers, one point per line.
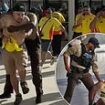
x=92, y=103
x=39, y=93
x=37, y=81
x=8, y=89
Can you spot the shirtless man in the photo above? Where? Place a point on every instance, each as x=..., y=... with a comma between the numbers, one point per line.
x=13, y=52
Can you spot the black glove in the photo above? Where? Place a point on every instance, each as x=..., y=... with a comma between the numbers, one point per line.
x=68, y=74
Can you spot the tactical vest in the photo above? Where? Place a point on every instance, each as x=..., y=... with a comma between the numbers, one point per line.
x=84, y=60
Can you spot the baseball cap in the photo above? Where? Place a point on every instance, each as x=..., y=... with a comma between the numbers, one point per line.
x=95, y=42
x=18, y=7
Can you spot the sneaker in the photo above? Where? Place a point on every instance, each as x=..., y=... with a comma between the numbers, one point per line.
x=24, y=87
x=38, y=99
x=5, y=95
x=18, y=99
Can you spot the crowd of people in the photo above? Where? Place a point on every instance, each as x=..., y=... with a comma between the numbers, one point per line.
x=87, y=22
x=19, y=28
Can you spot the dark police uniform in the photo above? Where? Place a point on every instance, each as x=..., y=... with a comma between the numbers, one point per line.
x=33, y=46
x=84, y=58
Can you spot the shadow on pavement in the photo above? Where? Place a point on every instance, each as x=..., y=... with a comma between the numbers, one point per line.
x=48, y=74
x=51, y=97
x=61, y=102
x=44, y=75
x=31, y=101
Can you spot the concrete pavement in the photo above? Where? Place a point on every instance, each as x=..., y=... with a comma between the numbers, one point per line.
x=51, y=94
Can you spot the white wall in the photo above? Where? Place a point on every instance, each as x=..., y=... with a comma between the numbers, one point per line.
x=71, y=14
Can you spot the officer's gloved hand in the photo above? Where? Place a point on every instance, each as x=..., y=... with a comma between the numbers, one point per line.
x=68, y=70
x=94, y=104
x=68, y=74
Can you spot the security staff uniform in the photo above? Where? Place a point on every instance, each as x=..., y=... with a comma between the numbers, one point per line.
x=57, y=34
x=80, y=56
x=77, y=28
x=100, y=23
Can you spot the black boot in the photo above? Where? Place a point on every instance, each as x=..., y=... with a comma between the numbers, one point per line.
x=8, y=89
x=39, y=92
x=92, y=104
x=37, y=81
x=38, y=99
x=24, y=87
x=18, y=99
x=5, y=95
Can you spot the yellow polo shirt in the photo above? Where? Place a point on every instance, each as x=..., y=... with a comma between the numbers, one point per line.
x=86, y=20
x=59, y=16
x=42, y=21
x=52, y=25
x=78, y=29
x=100, y=25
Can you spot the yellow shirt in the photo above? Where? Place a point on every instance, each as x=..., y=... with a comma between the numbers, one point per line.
x=86, y=20
x=78, y=29
x=61, y=19
x=42, y=21
x=12, y=41
x=59, y=16
x=100, y=25
x=48, y=30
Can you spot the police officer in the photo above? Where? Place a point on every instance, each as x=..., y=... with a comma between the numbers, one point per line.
x=33, y=47
x=82, y=58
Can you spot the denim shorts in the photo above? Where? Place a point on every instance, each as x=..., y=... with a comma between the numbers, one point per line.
x=45, y=44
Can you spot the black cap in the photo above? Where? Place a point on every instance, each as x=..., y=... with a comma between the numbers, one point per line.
x=18, y=7
x=95, y=42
